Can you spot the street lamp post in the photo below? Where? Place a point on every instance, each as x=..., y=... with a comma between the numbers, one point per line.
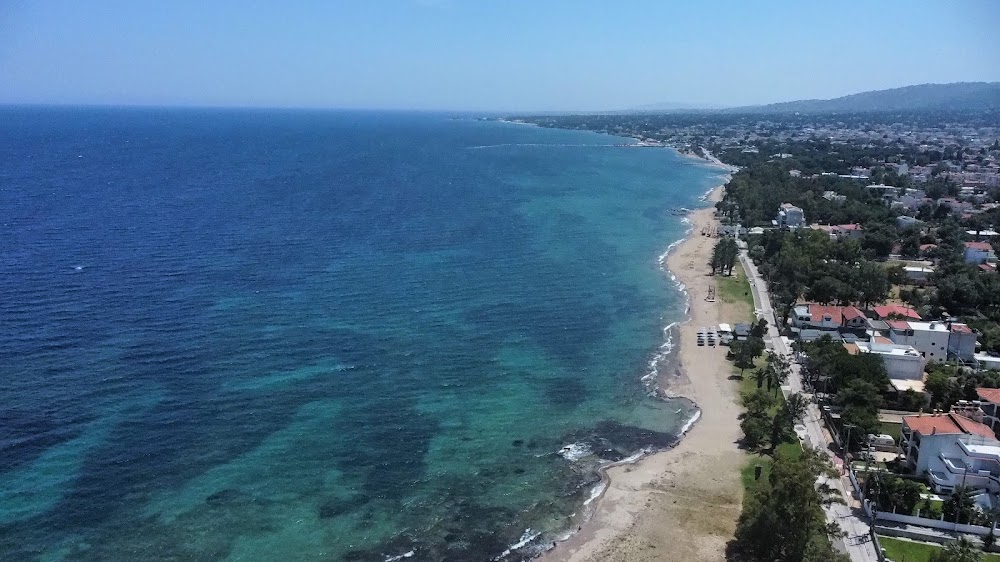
x=847, y=445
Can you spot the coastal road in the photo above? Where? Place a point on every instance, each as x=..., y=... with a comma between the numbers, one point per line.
x=857, y=543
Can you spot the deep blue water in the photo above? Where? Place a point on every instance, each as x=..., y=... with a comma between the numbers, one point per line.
x=321, y=335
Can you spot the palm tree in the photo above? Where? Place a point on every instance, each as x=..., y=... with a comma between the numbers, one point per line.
x=961, y=550
x=960, y=505
x=780, y=378
x=992, y=515
x=777, y=371
x=759, y=375
x=792, y=411
x=796, y=407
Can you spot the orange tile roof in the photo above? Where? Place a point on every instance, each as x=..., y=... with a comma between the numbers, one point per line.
x=946, y=424
x=972, y=426
x=989, y=394
x=897, y=309
x=818, y=311
x=851, y=312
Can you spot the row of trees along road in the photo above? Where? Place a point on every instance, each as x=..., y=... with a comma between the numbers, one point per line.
x=724, y=256
x=782, y=518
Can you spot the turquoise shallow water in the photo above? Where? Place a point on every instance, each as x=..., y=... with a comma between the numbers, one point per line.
x=319, y=335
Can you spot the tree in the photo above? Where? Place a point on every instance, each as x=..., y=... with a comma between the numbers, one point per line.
x=878, y=241
x=942, y=388
x=724, y=256
x=827, y=290
x=960, y=506
x=759, y=329
x=777, y=371
x=895, y=274
x=961, y=550
x=872, y=283
x=783, y=520
x=758, y=402
x=791, y=412
x=755, y=430
x=860, y=400
x=992, y=516
x=894, y=494
x=760, y=375
x=744, y=352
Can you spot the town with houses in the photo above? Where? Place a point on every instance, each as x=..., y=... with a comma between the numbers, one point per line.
x=870, y=244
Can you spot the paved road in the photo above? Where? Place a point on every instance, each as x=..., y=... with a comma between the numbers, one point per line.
x=856, y=544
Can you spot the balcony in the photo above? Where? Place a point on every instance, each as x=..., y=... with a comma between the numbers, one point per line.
x=959, y=473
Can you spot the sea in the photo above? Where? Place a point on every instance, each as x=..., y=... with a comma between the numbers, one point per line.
x=238, y=334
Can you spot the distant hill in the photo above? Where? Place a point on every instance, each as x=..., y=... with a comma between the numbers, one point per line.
x=960, y=96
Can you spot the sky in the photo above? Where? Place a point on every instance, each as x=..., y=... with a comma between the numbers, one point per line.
x=483, y=55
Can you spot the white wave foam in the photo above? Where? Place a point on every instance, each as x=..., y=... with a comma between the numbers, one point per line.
x=690, y=423
x=664, y=350
x=526, y=538
x=409, y=554
x=575, y=451
x=596, y=493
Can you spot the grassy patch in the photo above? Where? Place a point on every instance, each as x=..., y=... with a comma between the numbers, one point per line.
x=788, y=449
x=900, y=550
x=748, y=385
x=791, y=450
x=891, y=429
x=734, y=290
x=747, y=474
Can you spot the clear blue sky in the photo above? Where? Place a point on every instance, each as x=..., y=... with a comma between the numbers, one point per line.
x=484, y=54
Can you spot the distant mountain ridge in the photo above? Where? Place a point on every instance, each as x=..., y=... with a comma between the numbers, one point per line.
x=958, y=96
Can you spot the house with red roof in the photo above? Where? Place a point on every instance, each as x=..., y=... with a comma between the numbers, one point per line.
x=895, y=312
x=979, y=252
x=812, y=316
x=927, y=248
x=989, y=399
x=840, y=231
x=952, y=449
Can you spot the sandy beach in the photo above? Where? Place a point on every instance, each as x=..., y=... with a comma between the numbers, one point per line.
x=680, y=504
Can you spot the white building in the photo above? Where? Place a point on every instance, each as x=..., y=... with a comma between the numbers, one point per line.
x=947, y=447
x=840, y=231
x=979, y=252
x=970, y=460
x=962, y=342
x=986, y=362
x=929, y=338
x=901, y=361
x=983, y=235
x=789, y=216
x=818, y=317
x=887, y=192
x=917, y=274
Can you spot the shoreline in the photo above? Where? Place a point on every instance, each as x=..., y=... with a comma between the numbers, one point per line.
x=682, y=502
x=707, y=159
